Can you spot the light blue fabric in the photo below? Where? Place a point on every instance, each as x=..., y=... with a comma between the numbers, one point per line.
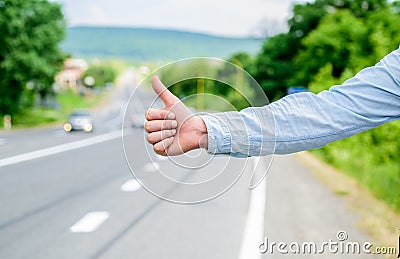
x=306, y=121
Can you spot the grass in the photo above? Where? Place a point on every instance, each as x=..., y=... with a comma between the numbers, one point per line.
x=69, y=101
x=372, y=158
x=374, y=216
x=35, y=117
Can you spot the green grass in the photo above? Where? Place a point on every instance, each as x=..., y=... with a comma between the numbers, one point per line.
x=372, y=158
x=35, y=117
x=69, y=101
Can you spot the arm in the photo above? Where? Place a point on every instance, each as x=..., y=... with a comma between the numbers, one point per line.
x=306, y=121
x=297, y=122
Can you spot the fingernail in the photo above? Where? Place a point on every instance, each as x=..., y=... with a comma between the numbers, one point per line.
x=171, y=115
x=174, y=124
x=173, y=131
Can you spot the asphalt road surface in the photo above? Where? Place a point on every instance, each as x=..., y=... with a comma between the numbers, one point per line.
x=74, y=196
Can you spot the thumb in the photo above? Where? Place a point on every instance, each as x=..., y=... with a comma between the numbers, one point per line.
x=165, y=95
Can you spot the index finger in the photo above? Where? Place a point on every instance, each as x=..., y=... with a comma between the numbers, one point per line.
x=156, y=114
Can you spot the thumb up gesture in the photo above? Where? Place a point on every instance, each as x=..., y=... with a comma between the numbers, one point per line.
x=174, y=129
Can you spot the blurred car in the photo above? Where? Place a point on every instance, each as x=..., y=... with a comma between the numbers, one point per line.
x=79, y=120
x=137, y=120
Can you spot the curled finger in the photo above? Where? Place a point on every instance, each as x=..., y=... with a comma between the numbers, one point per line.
x=157, y=114
x=158, y=125
x=162, y=146
x=155, y=137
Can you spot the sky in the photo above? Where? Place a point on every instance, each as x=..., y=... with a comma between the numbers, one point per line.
x=235, y=18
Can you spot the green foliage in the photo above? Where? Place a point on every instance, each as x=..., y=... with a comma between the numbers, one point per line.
x=102, y=73
x=67, y=102
x=35, y=117
x=140, y=44
x=30, y=32
x=243, y=60
x=197, y=80
x=328, y=42
x=344, y=42
x=372, y=158
x=294, y=58
x=323, y=80
x=182, y=77
x=340, y=40
x=382, y=31
x=274, y=65
x=70, y=101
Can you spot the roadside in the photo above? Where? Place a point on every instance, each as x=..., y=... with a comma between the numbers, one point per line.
x=72, y=90
x=107, y=113
x=41, y=117
x=373, y=216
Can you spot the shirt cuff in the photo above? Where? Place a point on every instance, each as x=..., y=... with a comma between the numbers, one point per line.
x=219, y=135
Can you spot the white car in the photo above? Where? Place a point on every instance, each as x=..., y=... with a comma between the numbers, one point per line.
x=79, y=120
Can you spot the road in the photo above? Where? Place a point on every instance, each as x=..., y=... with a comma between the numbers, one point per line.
x=74, y=196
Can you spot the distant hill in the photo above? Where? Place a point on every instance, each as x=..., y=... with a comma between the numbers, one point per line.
x=143, y=44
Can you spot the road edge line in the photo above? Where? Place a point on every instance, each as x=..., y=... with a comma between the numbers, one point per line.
x=60, y=148
x=254, y=227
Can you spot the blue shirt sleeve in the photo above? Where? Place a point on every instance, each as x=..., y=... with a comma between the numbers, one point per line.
x=306, y=121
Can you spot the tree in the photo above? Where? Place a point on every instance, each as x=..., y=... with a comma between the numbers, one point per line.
x=30, y=33
x=274, y=65
x=339, y=39
x=275, y=68
x=343, y=44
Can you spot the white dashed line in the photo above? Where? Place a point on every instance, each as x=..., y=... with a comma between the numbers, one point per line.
x=130, y=186
x=60, y=148
x=151, y=167
x=90, y=222
x=254, y=228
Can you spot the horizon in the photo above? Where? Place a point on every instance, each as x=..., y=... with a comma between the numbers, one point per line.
x=165, y=29
x=255, y=18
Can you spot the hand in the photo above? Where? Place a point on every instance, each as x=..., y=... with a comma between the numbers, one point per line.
x=174, y=129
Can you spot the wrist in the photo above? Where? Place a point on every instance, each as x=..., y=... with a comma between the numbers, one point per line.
x=201, y=133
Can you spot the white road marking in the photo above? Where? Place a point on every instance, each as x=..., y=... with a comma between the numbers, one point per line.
x=60, y=148
x=151, y=167
x=90, y=222
x=254, y=228
x=130, y=186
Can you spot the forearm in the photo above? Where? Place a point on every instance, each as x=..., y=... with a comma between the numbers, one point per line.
x=306, y=121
